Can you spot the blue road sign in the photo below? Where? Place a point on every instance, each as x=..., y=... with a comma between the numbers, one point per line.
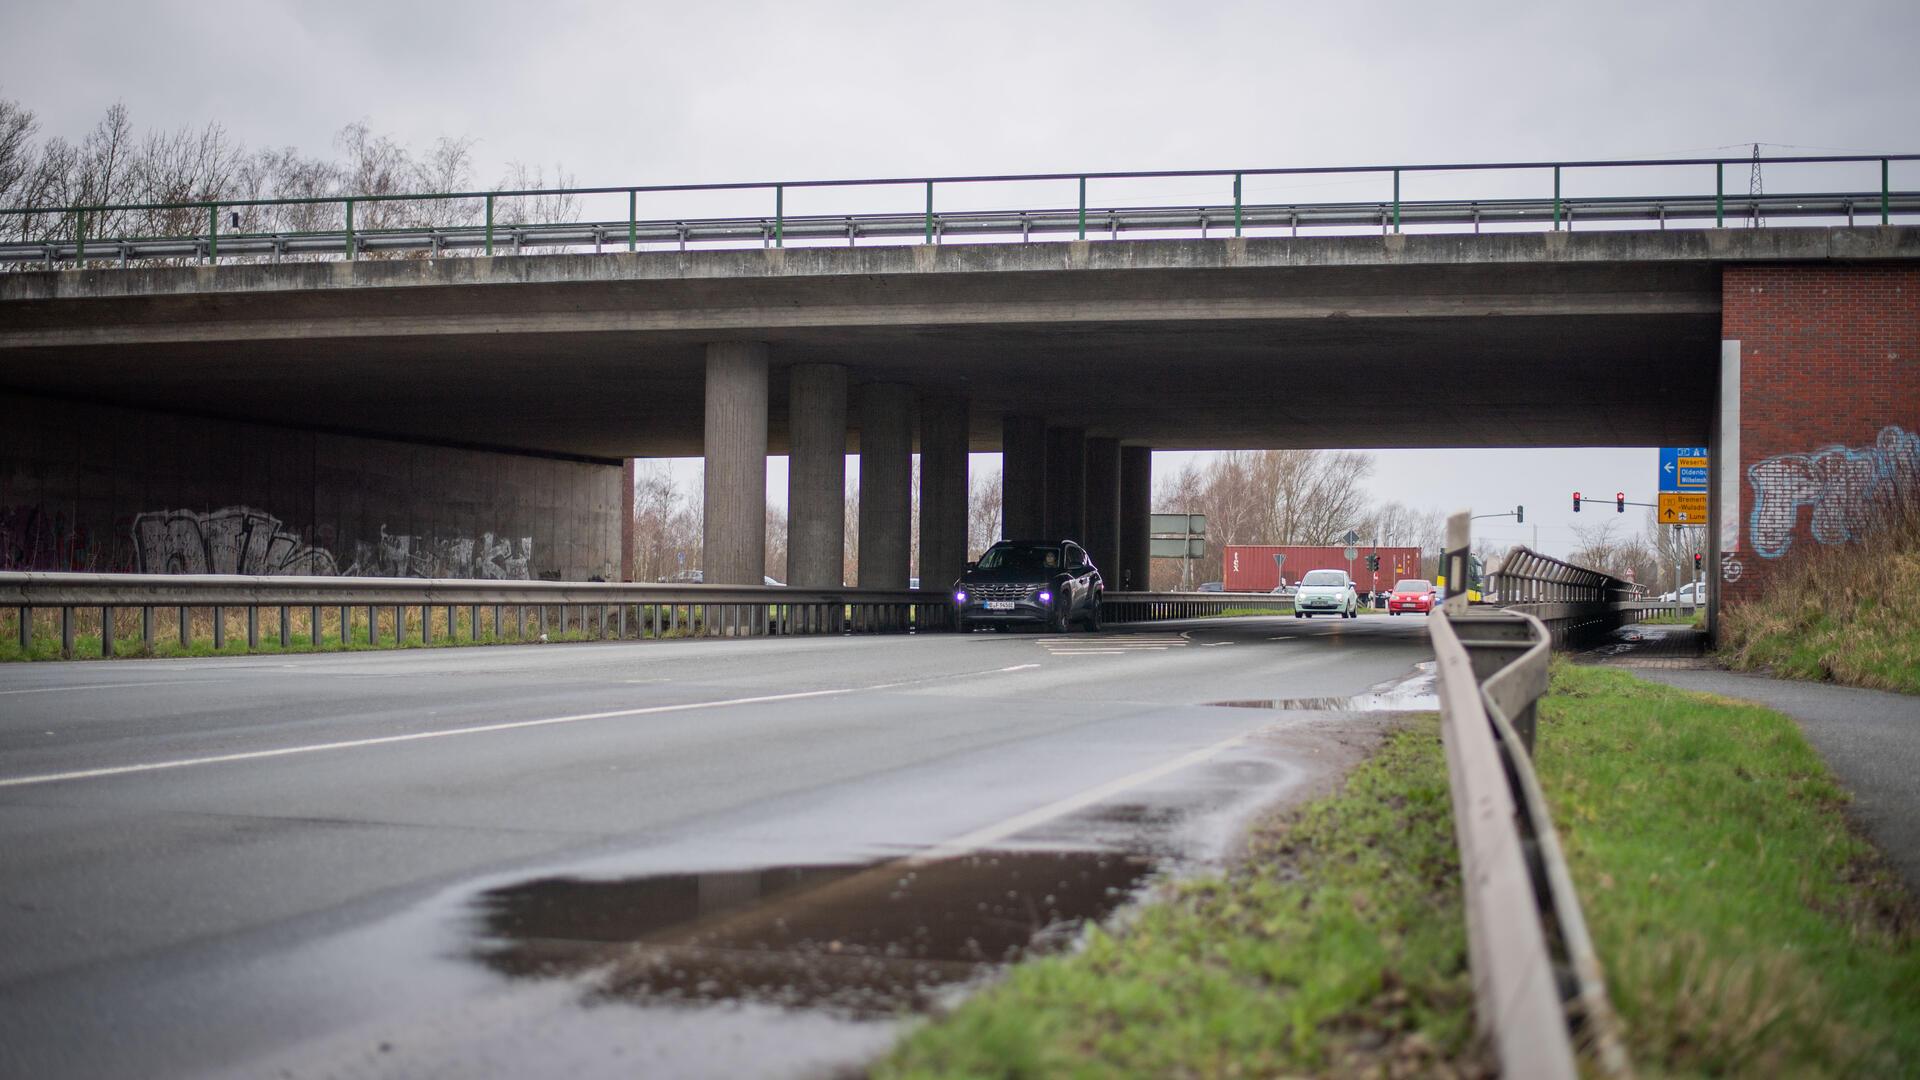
x=1683, y=468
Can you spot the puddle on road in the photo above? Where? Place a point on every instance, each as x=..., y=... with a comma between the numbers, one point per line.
x=862, y=942
x=1414, y=694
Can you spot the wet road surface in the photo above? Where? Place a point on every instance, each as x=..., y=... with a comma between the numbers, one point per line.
x=661, y=858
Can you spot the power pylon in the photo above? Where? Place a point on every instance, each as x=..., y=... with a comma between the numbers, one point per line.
x=1755, y=219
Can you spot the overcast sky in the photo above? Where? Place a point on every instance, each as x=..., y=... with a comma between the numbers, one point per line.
x=637, y=92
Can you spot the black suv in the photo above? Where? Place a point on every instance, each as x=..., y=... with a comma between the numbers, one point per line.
x=1050, y=582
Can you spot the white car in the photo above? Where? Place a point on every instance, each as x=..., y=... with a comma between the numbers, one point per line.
x=1687, y=594
x=1326, y=592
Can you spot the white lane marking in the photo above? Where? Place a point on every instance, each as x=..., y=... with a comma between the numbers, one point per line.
x=1019, y=823
x=114, y=686
x=1214, y=644
x=1097, y=652
x=479, y=729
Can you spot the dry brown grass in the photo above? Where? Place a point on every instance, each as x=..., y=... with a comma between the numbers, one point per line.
x=1843, y=613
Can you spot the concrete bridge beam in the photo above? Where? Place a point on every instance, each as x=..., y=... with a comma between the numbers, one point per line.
x=886, y=485
x=1023, y=478
x=1102, y=539
x=1136, y=518
x=817, y=476
x=943, y=490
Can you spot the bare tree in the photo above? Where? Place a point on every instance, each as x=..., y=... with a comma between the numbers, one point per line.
x=666, y=526
x=983, y=514
x=1270, y=497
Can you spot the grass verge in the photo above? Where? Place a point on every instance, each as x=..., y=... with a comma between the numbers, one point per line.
x=1282, y=609
x=1338, y=946
x=1842, y=612
x=1744, y=927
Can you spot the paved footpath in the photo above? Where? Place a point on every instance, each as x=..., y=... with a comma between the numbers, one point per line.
x=1870, y=738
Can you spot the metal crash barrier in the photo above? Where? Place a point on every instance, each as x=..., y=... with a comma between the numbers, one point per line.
x=494, y=610
x=1538, y=990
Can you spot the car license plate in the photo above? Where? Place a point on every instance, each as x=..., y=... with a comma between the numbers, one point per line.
x=999, y=605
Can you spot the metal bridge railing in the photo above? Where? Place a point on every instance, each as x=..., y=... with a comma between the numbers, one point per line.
x=511, y=610
x=194, y=231
x=1127, y=607
x=1574, y=602
x=1540, y=996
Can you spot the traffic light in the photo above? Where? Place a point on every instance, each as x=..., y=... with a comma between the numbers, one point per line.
x=1373, y=562
x=1519, y=515
x=1696, y=562
x=1576, y=502
x=1620, y=501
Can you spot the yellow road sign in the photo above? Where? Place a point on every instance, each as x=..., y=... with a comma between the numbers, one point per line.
x=1683, y=508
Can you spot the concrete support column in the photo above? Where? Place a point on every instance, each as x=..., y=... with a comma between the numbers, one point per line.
x=886, y=485
x=1103, y=507
x=816, y=476
x=943, y=490
x=1023, y=478
x=628, y=474
x=1066, y=484
x=734, y=547
x=1136, y=519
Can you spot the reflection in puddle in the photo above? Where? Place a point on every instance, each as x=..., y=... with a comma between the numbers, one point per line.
x=863, y=941
x=1356, y=703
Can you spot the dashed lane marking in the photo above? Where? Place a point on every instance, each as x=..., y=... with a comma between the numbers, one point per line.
x=481, y=729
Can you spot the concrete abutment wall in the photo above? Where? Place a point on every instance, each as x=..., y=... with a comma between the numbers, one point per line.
x=106, y=489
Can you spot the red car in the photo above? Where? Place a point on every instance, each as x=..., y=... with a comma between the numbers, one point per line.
x=1413, y=595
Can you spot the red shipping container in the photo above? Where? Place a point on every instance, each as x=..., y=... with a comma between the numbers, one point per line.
x=1250, y=567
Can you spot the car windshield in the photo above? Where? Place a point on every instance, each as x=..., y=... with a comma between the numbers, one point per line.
x=1413, y=585
x=1021, y=557
x=1324, y=577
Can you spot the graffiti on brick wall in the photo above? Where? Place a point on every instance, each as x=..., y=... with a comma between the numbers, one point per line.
x=1846, y=487
x=398, y=555
x=231, y=540
x=32, y=538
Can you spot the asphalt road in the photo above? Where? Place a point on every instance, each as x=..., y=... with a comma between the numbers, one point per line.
x=279, y=866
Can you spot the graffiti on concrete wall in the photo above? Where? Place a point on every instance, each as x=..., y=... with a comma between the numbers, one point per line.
x=1846, y=487
x=232, y=540
x=489, y=557
x=243, y=540
x=31, y=538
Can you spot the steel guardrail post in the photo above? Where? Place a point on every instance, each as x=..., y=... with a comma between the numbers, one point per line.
x=928, y=238
x=1719, y=194
x=633, y=220
x=779, y=215
x=1083, y=208
x=213, y=234
x=1884, y=191
x=1396, y=200
x=489, y=223
x=1556, y=198
x=1236, y=204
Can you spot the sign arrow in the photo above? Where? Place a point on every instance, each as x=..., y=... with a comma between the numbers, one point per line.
x=1668, y=466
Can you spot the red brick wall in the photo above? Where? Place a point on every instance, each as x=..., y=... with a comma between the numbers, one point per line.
x=1830, y=405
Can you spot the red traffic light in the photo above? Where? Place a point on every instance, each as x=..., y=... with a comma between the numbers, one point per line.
x=1696, y=560
x=1576, y=502
x=1620, y=501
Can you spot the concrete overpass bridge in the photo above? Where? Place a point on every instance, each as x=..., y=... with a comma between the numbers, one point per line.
x=388, y=410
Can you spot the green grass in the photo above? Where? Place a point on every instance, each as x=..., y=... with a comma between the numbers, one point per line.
x=1744, y=927
x=1339, y=946
x=1282, y=609
x=1698, y=620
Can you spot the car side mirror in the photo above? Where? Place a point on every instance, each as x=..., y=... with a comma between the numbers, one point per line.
x=973, y=566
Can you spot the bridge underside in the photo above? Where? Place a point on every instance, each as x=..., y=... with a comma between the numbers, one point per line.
x=1602, y=380
x=1498, y=340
